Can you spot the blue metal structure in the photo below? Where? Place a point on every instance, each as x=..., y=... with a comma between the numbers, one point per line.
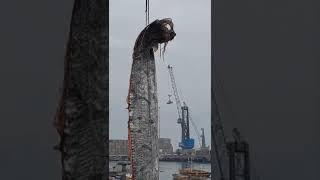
x=183, y=113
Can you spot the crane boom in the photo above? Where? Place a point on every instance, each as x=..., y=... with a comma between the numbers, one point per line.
x=175, y=92
x=195, y=129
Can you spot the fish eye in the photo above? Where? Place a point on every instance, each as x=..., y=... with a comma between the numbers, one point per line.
x=168, y=27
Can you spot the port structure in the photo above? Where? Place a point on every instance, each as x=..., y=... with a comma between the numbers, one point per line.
x=203, y=139
x=183, y=116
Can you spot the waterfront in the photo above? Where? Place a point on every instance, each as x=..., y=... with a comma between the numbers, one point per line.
x=169, y=168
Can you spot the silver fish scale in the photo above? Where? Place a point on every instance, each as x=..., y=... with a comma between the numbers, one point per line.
x=143, y=117
x=84, y=102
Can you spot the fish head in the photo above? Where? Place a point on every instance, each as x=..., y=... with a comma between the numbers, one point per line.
x=161, y=31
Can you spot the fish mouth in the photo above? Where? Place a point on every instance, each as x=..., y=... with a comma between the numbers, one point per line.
x=169, y=37
x=172, y=35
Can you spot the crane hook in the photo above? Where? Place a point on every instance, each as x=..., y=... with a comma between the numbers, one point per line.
x=169, y=101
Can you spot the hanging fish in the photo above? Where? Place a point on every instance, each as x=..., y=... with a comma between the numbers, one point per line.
x=82, y=115
x=143, y=101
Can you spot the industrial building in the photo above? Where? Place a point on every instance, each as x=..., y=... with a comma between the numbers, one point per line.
x=119, y=147
x=165, y=146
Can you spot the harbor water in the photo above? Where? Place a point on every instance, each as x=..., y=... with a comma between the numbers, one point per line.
x=169, y=168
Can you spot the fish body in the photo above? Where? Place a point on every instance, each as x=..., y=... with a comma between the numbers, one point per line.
x=82, y=115
x=143, y=101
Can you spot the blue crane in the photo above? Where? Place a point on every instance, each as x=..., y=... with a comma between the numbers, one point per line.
x=183, y=116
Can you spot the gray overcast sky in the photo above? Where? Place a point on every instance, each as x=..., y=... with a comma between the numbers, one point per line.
x=189, y=54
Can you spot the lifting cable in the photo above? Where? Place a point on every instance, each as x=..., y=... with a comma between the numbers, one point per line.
x=147, y=12
x=130, y=148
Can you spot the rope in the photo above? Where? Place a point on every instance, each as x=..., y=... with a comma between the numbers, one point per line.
x=147, y=11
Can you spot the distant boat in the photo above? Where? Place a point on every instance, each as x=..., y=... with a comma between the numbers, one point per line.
x=191, y=174
x=180, y=177
x=194, y=172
